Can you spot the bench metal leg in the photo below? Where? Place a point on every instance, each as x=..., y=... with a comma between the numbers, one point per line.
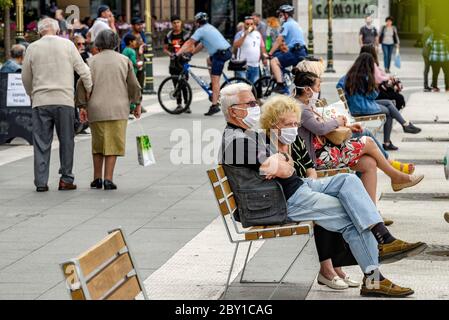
x=288, y=270
x=246, y=262
x=230, y=270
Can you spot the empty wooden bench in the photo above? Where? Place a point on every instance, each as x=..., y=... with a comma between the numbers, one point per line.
x=235, y=231
x=106, y=271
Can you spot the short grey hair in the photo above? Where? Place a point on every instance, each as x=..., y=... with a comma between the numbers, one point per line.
x=229, y=95
x=107, y=40
x=46, y=25
x=17, y=51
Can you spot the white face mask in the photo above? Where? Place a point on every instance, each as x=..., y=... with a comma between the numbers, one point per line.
x=315, y=96
x=253, y=116
x=288, y=135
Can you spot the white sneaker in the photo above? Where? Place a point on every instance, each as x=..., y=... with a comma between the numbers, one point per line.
x=351, y=283
x=336, y=283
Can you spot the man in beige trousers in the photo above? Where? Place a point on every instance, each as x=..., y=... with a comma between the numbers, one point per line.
x=47, y=75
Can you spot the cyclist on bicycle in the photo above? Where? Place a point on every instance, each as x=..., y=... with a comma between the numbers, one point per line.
x=173, y=42
x=219, y=52
x=293, y=36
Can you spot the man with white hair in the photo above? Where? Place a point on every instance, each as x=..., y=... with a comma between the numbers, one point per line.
x=14, y=65
x=47, y=75
x=266, y=185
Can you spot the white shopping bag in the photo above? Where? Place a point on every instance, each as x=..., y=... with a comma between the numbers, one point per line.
x=145, y=151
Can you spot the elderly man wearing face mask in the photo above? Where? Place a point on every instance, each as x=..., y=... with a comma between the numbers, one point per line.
x=338, y=204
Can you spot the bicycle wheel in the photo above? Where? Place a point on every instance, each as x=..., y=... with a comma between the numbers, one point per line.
x=174, y=92
x=238, y=80
x=264, y=87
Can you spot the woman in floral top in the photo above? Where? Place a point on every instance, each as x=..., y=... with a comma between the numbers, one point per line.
x=360, y=154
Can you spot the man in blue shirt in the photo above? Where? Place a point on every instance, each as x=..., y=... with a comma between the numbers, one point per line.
x=219, y=52
x=14, y=65
x=293, y=37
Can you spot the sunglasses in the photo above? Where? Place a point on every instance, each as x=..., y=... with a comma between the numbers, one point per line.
x=80, y=44
x=251, y=104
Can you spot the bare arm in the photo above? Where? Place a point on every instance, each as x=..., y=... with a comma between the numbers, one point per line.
x=238, y=43
x=198, y=48
x=188, y=46
x=311, y=173
x=276, y=166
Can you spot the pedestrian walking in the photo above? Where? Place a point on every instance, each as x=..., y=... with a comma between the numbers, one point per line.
x=115, y=87
x=368, y=33
x=427, y=32
x=173, y=42
x=438, y=44
x=251, y=48
x=47, y=75
x=389, y=39
x=141, y=41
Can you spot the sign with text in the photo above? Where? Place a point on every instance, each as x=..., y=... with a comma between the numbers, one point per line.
x=16, y=95
x=345, y=9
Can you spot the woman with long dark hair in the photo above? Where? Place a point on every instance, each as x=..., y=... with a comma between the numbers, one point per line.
x=388, y=88
x=361, y=92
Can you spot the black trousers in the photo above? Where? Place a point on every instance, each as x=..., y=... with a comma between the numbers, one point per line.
x=390, y=94
x=331, y=245
x=436, y=67
x=426, y=70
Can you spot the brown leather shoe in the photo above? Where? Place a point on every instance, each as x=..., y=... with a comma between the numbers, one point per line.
x=398, y=250
x=66, y=186
x=384, y=288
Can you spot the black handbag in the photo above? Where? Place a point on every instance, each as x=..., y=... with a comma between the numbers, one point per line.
x=237, y=65
x=260, y=202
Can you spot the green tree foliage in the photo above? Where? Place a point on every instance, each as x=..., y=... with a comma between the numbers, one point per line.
x=5, y=4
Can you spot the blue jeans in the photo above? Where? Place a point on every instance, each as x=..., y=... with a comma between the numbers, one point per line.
x=388, y=53
x=251, y=74
x=340, y=204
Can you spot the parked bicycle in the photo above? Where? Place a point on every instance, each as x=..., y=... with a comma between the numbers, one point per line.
x=175, y=92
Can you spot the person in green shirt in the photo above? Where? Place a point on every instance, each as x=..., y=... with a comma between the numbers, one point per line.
x=130, y=50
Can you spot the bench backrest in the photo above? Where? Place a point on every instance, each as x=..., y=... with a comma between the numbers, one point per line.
x=222, y=189
x=342, y=96
x=106, y=271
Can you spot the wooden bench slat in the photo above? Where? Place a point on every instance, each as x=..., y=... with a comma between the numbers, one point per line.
x=102, y=252
x=221, y=172
x=212, y=176
x=109, y=276
x=71, y=279
x=127, y=290
x=257, y=232
x=218, y=192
